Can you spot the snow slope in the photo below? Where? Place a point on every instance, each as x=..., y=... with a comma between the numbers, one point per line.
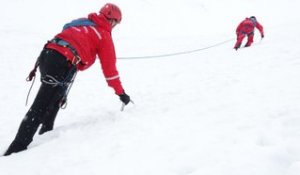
x=212, y=112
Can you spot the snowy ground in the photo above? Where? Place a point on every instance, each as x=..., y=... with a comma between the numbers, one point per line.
x=213, y=112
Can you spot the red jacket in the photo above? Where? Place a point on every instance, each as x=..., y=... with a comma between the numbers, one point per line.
x=247, y=26
x=90, y=42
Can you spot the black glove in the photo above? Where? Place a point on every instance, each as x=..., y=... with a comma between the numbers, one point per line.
x=262, y=35
x=124, y=98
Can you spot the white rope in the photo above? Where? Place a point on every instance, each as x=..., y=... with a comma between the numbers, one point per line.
x=177, y=53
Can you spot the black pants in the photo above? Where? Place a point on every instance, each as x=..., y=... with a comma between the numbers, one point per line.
x=46, y=104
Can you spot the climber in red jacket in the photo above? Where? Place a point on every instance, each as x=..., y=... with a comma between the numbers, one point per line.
x=246, y=28
x=74, y=49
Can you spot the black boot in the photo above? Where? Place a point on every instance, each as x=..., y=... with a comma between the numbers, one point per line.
x=15, y=147
x=45, y=128
x=237, y=46
x=247, y=44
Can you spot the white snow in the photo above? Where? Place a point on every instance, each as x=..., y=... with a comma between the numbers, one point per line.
x=213, y=112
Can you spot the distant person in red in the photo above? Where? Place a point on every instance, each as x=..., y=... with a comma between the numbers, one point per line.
x=246, y=28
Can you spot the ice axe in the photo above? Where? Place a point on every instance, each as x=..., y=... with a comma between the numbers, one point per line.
x=123, y=105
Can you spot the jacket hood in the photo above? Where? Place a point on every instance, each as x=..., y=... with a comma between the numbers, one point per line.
x=101, y=21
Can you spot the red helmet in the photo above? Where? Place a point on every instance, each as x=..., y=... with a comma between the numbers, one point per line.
x=111, y=11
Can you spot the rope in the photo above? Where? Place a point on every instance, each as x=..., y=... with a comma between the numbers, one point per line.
x=29, y=91
x=178, y=53
x=50, y=80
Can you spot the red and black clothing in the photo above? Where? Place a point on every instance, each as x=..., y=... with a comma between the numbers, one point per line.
x=86, y=40
x=246, y=28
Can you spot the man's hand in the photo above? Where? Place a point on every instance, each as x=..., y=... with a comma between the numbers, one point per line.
x=125, y=98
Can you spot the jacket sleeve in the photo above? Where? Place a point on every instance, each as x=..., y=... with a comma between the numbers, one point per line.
x=260, y=28
x=107, y=58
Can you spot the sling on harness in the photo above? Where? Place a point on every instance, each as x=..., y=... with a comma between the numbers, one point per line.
x=67, y=82
x=50, y=80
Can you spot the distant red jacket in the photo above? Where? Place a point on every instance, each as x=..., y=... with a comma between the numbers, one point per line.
x=247, y=26
x=91, y=42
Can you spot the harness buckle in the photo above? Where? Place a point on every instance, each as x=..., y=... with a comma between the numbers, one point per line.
x=76, y=60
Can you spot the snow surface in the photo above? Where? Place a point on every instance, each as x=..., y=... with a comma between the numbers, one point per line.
x=212, y=112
